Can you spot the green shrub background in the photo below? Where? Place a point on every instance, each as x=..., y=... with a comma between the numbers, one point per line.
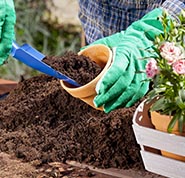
x=33, y=26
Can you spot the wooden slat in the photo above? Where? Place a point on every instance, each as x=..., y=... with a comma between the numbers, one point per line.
x=148, y=138
x=160, y=140
x=102, y=171
x=162, y=165
x=6, y=86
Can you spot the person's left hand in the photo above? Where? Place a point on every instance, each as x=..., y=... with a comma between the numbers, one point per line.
x=7, y=22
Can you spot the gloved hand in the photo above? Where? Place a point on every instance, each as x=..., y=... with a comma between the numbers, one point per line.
x=122, y=85
x=7, y=22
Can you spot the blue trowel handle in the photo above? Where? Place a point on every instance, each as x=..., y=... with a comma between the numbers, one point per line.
x=33, y=58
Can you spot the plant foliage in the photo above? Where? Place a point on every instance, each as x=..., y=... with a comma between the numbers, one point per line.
x=166, y=70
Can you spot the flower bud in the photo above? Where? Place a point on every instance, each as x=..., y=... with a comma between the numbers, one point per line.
x=175, y=32
x=165, y=13
x=157, y=40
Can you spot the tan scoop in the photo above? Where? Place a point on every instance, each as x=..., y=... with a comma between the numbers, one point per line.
x=102, y=55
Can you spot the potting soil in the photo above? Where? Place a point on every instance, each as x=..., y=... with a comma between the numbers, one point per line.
x=39, y=121
x=85, y=69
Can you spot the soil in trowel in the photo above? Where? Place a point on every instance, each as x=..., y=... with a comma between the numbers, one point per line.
x=86, y=70
x=41, y=122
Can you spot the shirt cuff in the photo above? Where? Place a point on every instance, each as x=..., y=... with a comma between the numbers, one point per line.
x=174, y=7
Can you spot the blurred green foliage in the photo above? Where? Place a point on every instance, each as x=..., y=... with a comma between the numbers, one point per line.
x=33, y=28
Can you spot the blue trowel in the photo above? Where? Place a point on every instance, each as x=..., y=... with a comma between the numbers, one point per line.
x=33, y=58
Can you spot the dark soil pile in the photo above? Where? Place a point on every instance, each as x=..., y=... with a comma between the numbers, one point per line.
x=41, y=122
x=86, y=69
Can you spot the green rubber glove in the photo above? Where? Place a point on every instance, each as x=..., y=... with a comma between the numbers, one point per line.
x=122, y=85
x=7, y=22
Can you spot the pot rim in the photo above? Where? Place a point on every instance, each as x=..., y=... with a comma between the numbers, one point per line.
x=78, y=89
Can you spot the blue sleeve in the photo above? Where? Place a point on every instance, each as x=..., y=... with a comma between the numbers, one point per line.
x=174, y=7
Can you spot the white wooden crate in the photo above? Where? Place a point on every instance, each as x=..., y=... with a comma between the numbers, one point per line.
x=151, y=141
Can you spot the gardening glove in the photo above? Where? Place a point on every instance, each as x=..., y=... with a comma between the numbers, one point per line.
x=7, y=22
x=122, y=85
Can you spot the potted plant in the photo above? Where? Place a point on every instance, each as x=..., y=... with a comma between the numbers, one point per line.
x=159, y=121
x=166, y=70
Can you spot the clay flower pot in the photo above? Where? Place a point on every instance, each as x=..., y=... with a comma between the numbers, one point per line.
x=161, y=123
x=100, y=54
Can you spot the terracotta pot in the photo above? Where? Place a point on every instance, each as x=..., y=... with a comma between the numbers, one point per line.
x=161, y=123
x=102, y=55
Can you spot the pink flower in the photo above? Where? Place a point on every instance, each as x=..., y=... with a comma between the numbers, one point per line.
x=151, y=68
x=170, y=52
x=179, y=66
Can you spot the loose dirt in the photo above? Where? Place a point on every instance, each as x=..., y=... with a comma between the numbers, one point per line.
x=40, y=123
x=79, y=68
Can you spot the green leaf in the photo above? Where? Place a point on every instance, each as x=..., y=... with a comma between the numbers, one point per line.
x=160, y=90
x=158, y=105
x=172, y=123
x=182, y=95
x=180, y=99
x=151, y=95
x=180, y=123
x=180, y=103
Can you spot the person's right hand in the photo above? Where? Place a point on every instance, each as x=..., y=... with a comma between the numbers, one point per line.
x=123, y=83
x=7, y=22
